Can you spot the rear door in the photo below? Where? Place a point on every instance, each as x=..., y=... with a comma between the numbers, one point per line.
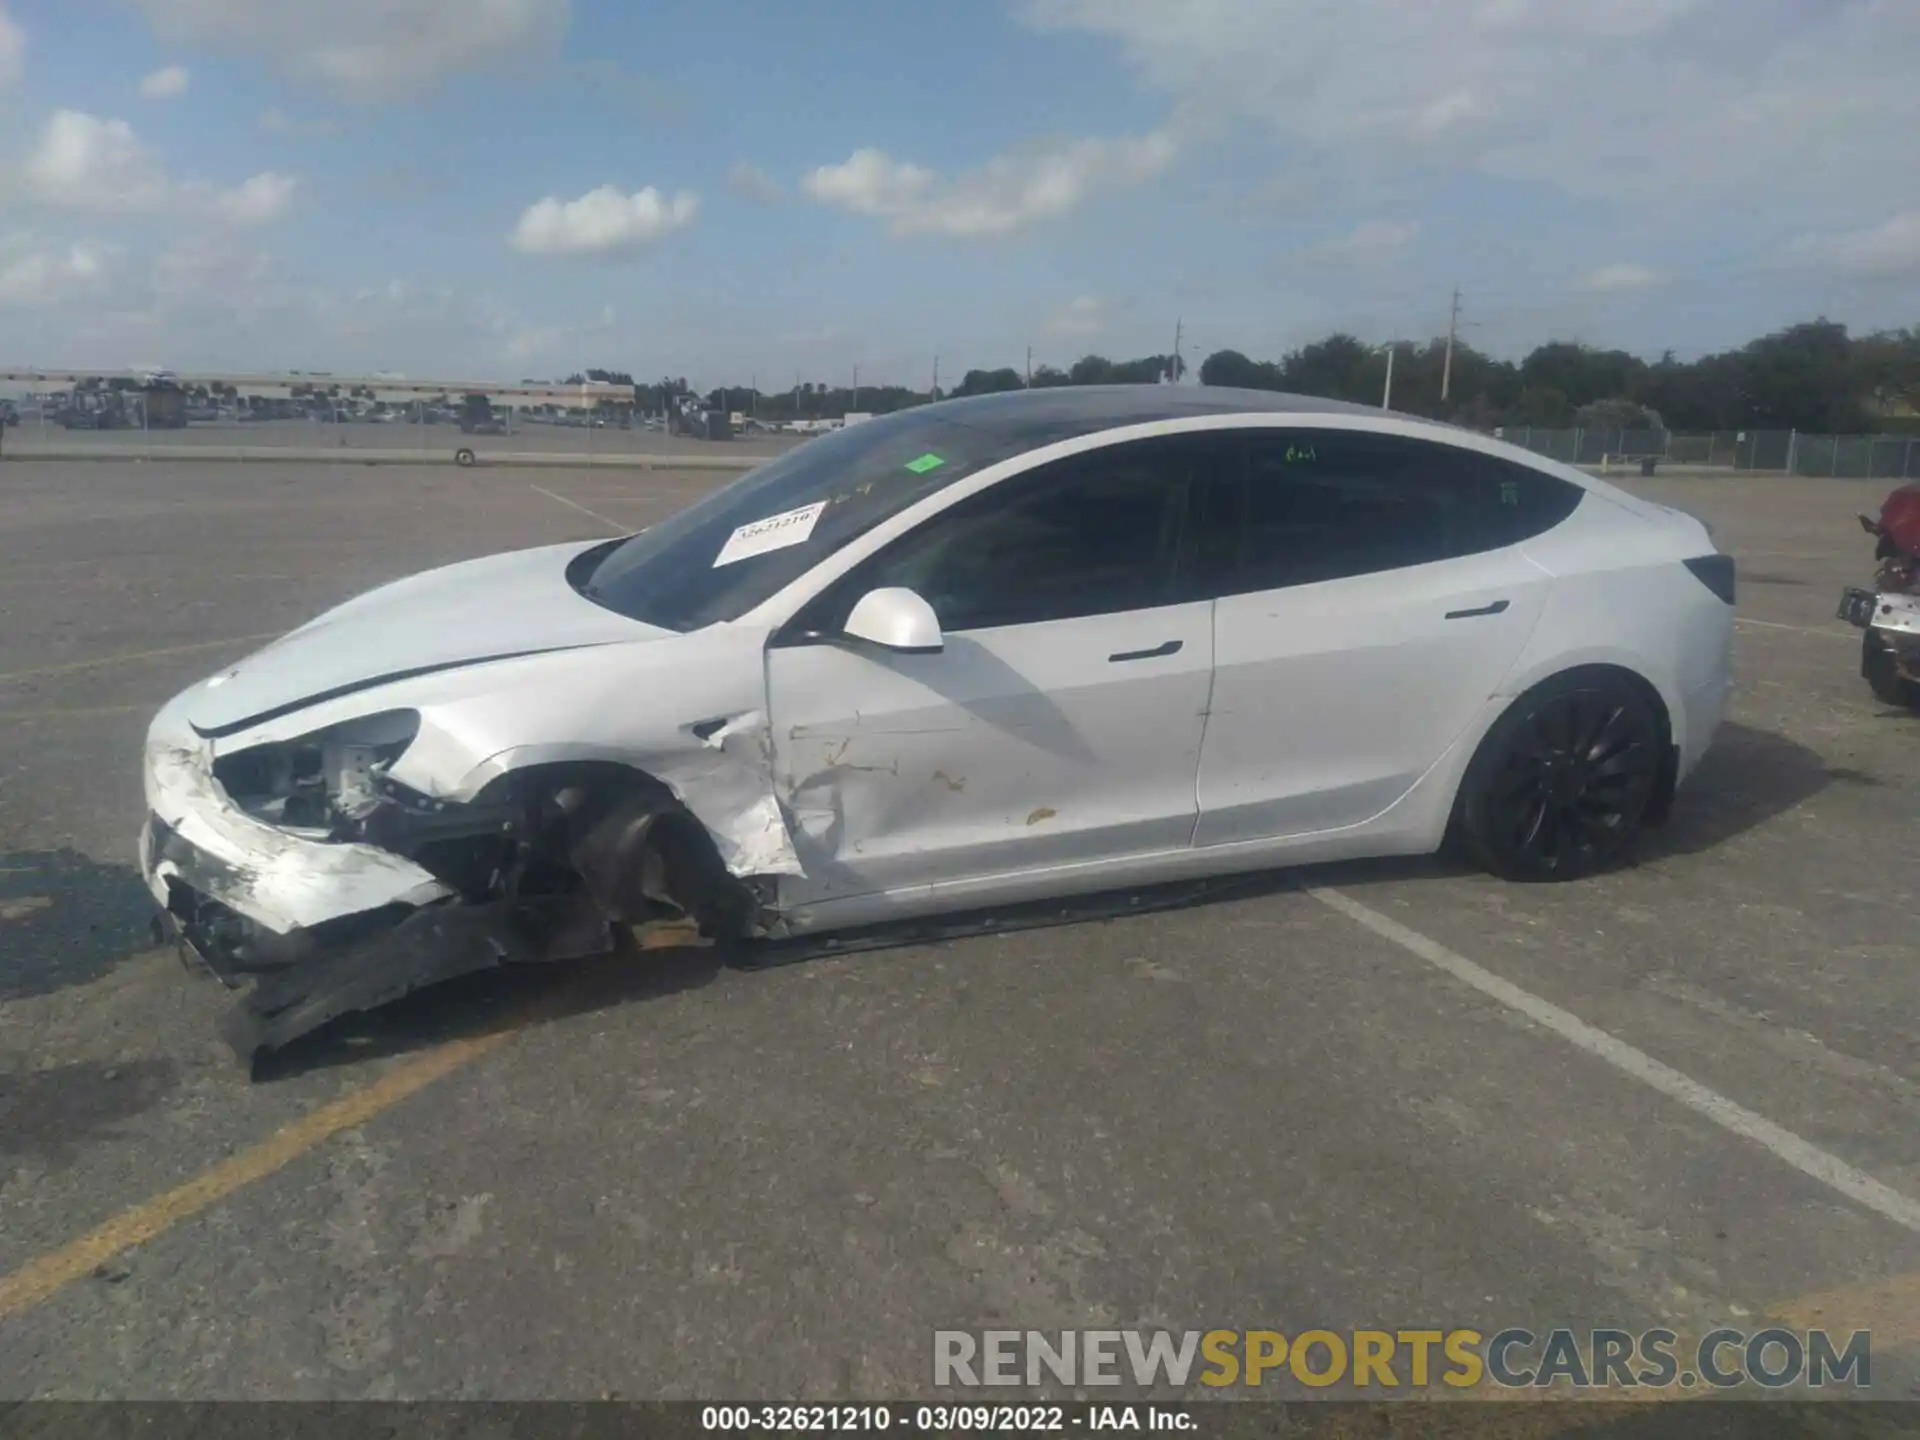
x=1372, y=595
x=1062, y=722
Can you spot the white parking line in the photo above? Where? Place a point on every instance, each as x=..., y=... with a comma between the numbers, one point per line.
x=71, y=667
x=1797, y=629
x=618, y=528
x=1807, y=1158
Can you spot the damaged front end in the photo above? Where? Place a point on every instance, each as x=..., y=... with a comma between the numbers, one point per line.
x=306, y=873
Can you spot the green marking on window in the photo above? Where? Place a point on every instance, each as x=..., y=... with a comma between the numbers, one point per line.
x=926, y=462
x=1509, y=492
x=1301, y=455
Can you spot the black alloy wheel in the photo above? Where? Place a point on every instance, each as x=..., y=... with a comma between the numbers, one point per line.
x=1562, y=783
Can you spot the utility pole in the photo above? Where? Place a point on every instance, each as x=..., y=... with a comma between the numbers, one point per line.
x=856, y=387
x=1176, y=351
x=934, y=393
x=753, y=394
x=1453, y=329
x=1029, y=367
x=1386, y=396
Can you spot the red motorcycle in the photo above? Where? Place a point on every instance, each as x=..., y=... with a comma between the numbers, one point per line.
x=1889, y=613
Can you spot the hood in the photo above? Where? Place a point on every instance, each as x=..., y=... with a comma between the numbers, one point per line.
x=466, y=614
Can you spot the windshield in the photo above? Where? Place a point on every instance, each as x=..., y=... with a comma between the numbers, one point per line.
x=724, y=554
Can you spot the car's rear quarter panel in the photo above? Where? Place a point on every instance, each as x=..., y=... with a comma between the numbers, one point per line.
x=1621, y=595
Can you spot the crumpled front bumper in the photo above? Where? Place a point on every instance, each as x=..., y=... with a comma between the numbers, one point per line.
x=198, y=846
x=321, y=930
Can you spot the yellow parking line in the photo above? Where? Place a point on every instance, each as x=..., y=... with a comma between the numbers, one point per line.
x=44, y=1277
x=70, y=666
x=608, y=520
x=1889, y=1307
x=80, y=713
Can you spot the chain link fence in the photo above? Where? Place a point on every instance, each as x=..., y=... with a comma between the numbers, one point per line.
x=1786, y=452
x=273, y=429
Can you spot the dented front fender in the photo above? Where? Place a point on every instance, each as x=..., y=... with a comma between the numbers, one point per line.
x=688, y=710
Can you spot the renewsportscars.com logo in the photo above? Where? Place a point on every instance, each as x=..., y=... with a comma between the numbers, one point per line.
x=1374, y=1360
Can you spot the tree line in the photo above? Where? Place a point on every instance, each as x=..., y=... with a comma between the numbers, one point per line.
x=1815, y=377
x=1812, y=376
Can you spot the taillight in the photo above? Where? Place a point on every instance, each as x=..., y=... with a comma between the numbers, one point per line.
x=1715, y=572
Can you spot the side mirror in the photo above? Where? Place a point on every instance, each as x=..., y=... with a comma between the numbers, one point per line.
x=896, y=619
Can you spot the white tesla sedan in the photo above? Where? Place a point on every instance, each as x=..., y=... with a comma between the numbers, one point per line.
x=984, y=652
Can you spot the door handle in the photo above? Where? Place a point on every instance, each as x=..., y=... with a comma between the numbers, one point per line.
x=1494, y=609
x=1171, y=647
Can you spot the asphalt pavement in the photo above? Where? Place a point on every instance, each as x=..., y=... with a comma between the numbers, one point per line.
x=1362, y=1096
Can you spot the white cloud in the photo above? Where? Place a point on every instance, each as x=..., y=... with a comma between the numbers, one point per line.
x=870, y=182
x=13, y=50
x=1679, y=103
x=754, y=183
x=1889, y=250
x=522, y=344
x=1370, y=241
x=276, y=121
x=1082, y=315
x=1615, y=279
x=1009, y=193
x=259, y=200
x=213, y=300
x=165, y=84
x=369, y=49
x=83, y=162
x=34, y=273
x=602, y=222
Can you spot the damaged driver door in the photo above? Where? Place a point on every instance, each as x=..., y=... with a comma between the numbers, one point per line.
x=1058, y=724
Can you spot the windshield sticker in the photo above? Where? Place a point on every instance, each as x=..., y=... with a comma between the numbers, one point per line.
x=926, y=462
x=776, y=532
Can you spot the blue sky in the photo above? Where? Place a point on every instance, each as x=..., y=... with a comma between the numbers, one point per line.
x=509, y=188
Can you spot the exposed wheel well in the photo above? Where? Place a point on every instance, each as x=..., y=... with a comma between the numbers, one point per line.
x=636, y=848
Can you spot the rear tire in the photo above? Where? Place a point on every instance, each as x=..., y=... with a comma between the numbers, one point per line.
x=463, y=456
x=1564, y=782
x=1883, y=675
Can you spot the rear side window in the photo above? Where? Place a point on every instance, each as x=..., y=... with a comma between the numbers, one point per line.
x=1328, y=505
x=1518, y=501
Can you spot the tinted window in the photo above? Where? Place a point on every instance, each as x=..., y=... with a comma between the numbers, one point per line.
x=680, y=574
x=1325, y=505
x=1097, y=534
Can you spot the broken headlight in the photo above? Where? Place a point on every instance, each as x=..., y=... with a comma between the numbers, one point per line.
x=322, y=783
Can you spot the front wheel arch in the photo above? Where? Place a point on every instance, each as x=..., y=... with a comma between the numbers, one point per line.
x=618, y=815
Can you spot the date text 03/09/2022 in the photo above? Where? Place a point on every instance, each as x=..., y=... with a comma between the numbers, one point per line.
x=941, y=1419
